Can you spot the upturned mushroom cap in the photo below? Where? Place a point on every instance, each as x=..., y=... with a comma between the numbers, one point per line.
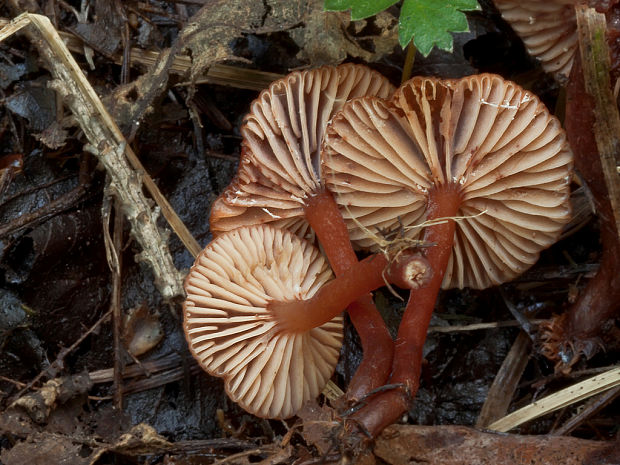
x=488, y=138
x=233, y=335
x=282, y=133
x=548, y=29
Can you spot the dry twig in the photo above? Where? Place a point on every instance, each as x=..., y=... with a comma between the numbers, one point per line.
x=570, y=395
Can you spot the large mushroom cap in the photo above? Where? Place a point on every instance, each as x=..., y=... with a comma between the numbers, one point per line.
x=493, y=141
x=281, y=140
x=233, y=335
x=548, y=29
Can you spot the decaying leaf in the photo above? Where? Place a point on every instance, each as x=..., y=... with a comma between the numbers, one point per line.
x=44, y=449
x=141, y=330
x=104, y=34
x=11, y=73
x=208, y=35
x=35, y=102
x=54, y=136
x=324, y=38
x=318, y=426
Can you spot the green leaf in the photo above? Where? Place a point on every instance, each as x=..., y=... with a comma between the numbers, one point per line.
x=430, y=22
x=360, y=9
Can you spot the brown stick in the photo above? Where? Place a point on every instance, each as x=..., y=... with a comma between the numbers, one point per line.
x=595, y=61
x=459, y=445
x=506, y=382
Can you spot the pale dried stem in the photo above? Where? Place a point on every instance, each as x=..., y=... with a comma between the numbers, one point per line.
x=568, y=396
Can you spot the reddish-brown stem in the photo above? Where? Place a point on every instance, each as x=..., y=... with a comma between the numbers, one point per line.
x=385, y=408
x=579, y=329
x=324, y=216
x=326, y=220
x=332, y=298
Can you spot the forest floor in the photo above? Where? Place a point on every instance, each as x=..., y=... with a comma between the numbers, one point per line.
x=94, y=353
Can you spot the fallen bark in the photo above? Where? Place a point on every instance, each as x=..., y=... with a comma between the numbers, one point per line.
x=460, y=445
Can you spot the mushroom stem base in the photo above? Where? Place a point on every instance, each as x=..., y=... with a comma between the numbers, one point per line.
x=387, y=407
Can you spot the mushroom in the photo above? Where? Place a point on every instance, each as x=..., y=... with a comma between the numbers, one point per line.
x=270, y=372
x=548, y=30
x=278, y=183
x=476, y=167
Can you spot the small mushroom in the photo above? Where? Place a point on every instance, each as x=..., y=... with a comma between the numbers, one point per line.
x=270, y=372
x=476, y=167
x=282, y=133
x=548, y=30
x=278, y=183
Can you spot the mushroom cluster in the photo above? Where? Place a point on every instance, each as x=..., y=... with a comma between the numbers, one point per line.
x=278, y=183
x=475, y=169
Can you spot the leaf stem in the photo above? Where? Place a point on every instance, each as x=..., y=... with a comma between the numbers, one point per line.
x=409, y=60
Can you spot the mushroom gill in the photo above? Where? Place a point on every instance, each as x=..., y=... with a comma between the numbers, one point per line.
x=232, y=334
x=495, y=143
x=282, y=133
x=548, y=30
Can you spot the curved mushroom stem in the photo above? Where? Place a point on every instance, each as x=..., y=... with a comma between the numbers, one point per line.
x=385, y=408
x=330, y=300
x=378, y=347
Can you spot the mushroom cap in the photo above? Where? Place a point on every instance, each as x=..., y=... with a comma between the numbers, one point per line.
x=232, y=334
x=548, y=29
x=489, y=138
x=279, y=166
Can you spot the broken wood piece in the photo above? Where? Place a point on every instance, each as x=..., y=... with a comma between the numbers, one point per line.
x=595, y=61
x=589, y=409
x=460, y=445
x=39, y=404
x=506, y=381
x=219, y=74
